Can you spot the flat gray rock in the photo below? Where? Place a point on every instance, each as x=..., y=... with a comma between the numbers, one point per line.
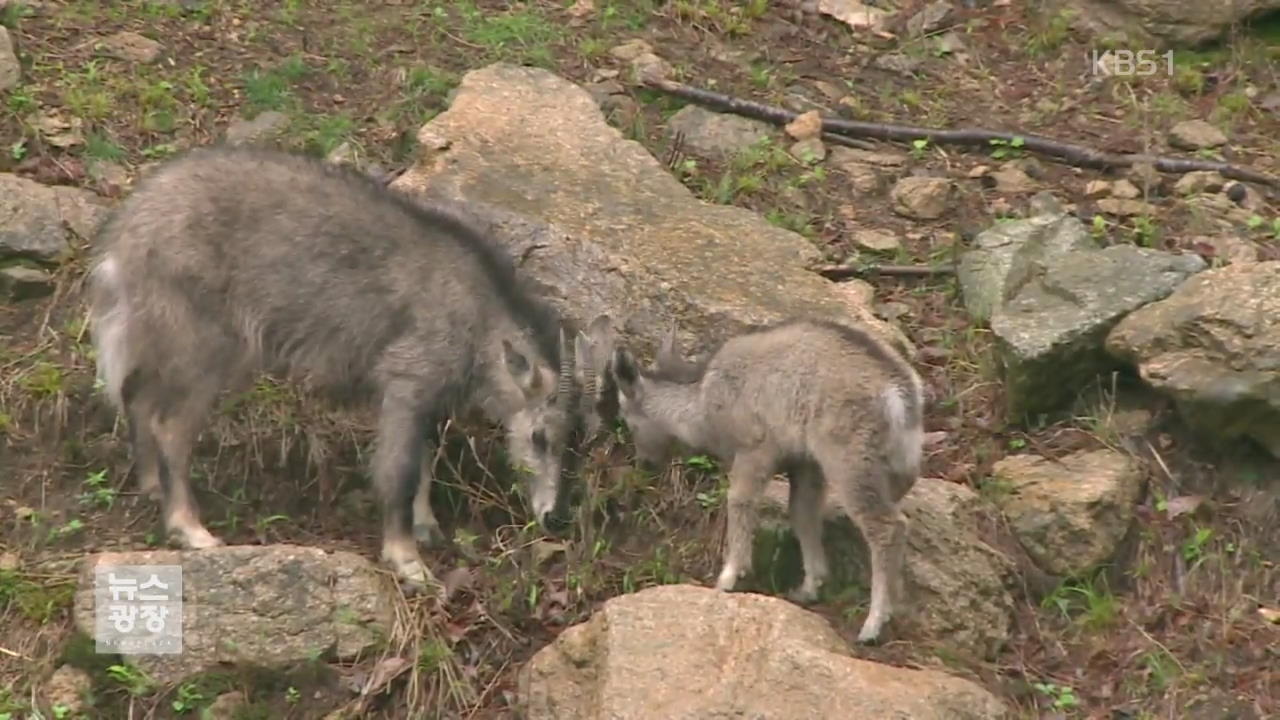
x=1050, y=335
x=265, y=605
x=601, y=226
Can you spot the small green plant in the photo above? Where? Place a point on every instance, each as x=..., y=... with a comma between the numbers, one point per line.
x=1193, y=548
x=188, y=698
x=918, y=148
x=292, y=696
x=133, y=680
x=98, y=494
x=1061, y=696
x=71, y=527
x=433, y=654
x=1007, y=148
x=1145, y=231
x=1256, y=222
x=705, y=463
x=1099, y=226
x=44, y=379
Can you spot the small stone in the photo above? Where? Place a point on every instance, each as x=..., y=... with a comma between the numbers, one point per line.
x=1001, y=207
x=1013, y=181
x=225, y=707
x=110, y=179
x=864, y=179
x=1028, y=165
x=949, y=42
x=1229, y=249
x=1125, y=190
x=132, y=47
x=857, y=291
x=19, y=283
x=921, y=198
x=1196, y=135
x=344, y=154
x=867, y=157
x=67, y=688
x=1046, y=203
x=261, y=128
x=930, y=19
x=1097, y=188
x=880, y=240
x=978, y=171
x=1145, y=176
x=897, y=63
x=57, y=130
x=9, y=562
x=1127, y=208
x=715, y=135
x=809, y=151
x=631, y=50
x=1194, y=183
x=805, y=126
x=650, y=67
x=892, y=310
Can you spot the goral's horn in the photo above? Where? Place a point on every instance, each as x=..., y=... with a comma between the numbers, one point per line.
x=565, y=384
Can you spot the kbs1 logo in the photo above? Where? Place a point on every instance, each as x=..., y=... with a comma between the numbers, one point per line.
x=1128, y=62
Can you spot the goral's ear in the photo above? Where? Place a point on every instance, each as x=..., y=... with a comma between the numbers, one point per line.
x=626, y=373
x=668, y=354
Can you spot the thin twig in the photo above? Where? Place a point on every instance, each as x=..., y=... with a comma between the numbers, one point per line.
x=841, y=272
x=1075, y=155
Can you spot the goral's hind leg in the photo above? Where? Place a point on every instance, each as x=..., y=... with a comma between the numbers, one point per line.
x=863, y=488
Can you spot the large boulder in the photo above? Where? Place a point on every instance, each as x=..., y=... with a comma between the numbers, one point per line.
x=1050, y=334
x=680, y=652
x=602, y=226
x=958, y=587
x=263, y=605
x=1214, y=347
x=1162, y=23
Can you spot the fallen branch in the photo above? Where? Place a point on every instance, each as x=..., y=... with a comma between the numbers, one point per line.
x=1075, y=155
x=843, y=272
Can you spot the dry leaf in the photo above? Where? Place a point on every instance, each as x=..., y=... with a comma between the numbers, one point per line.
x=1183, y=504
x=1271, y=615
x=582, y=8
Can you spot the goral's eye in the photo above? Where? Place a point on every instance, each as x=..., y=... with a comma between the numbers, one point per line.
x=539, y=441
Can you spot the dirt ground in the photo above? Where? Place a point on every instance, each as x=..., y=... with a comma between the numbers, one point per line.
x=1171, y=631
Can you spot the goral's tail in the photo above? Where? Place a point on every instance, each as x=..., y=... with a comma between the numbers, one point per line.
x=109, y=326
